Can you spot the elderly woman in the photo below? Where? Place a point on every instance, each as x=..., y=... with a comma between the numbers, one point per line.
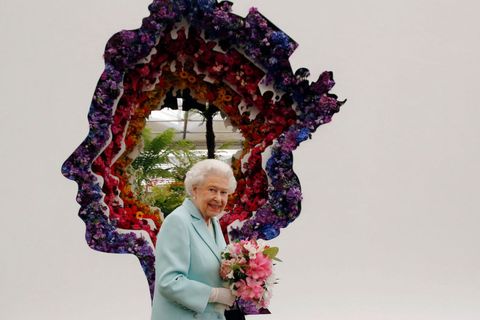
x=188, y=285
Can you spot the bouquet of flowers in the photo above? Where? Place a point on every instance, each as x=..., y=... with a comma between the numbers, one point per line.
x=247, y=268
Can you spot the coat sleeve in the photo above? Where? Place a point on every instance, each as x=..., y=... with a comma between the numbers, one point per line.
x=172, y=265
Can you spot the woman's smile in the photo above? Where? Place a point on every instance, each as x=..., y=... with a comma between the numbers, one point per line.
x=211, y=196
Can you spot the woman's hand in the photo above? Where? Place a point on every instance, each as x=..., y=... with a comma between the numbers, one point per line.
x=222, y=295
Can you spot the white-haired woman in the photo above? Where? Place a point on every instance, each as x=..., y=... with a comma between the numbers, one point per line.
x=188, y=285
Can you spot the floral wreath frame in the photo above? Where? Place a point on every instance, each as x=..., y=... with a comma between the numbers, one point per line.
x=238, y=64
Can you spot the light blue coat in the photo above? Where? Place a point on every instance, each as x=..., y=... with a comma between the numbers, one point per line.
x=187, y=266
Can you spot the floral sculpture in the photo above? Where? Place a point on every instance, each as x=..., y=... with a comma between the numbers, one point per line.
x=199, y=49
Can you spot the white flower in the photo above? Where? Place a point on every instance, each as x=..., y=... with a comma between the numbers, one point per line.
x=252, y=250
x=261, y=244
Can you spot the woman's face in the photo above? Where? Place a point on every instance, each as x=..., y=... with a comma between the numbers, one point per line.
x=211, y=196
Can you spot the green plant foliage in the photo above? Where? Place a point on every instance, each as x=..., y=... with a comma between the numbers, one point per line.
x=162, y=158
x=272, y=252
x=167, y=197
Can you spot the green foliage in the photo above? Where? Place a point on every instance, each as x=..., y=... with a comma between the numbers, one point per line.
x=272, y=252
x=160, y=154
x=162, y=158
x=167, y=197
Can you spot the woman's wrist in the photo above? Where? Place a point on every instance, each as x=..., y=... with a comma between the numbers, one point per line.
x=222, y=295
x=213, y=295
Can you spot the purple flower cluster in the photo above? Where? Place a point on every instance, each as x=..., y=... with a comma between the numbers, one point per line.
x=248, y=307
x=315, y=107
x=284, y=202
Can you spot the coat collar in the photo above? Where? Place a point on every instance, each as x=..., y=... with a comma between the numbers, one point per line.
x=201, y=228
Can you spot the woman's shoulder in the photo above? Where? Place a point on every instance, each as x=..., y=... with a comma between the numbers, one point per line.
x=176, y=223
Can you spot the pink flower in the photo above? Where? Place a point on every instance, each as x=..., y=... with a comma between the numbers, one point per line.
x=249, y=289
x=237, y=248
x=241, y=261
x=253, y=276
x=265, y=301
x=260, y=267
x=225, y=269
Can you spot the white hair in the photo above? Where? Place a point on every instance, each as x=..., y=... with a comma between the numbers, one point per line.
x=200, y=170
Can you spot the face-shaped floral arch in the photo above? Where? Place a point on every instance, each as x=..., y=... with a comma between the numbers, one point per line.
x=240, y=65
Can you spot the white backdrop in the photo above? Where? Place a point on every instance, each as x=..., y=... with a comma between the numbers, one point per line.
x=390, y=214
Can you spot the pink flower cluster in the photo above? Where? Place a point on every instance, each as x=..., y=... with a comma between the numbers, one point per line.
x=247, y=268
